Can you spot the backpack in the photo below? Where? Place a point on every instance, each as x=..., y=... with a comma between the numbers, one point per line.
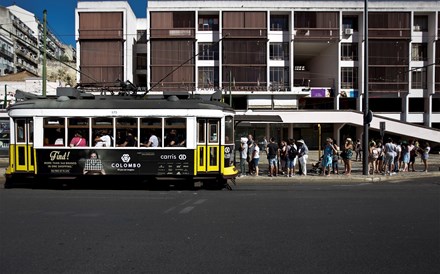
x=292, y=153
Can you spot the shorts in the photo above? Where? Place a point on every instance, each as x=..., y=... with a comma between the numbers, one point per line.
x=273, y=162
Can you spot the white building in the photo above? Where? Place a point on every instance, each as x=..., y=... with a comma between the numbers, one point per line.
x=299, y=61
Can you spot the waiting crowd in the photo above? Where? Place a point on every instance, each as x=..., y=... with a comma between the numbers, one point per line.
x=285, y=157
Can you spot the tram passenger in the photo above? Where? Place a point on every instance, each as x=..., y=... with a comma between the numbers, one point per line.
x=59, y=140
x=130, y=140
x=78, y=140
x=171, y=140
x=153, y=141
x=103, y=139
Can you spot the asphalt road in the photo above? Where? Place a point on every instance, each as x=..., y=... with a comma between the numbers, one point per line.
x=314, y=227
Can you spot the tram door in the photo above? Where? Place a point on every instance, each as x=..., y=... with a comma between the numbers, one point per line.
x=208, y=145
x=24, y=144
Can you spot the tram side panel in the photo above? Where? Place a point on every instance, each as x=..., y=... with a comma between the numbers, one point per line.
x=76, y=162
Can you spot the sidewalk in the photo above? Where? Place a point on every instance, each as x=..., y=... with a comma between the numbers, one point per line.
x=357, y=171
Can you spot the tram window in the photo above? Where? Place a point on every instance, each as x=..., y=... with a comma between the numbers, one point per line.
x=102, y=132
x=229, y=130
x=176, y=131
x=20, y=129
x=78, y=127
x=54, y=131
x=201, y=133
x=126, y=132
x=149, y=128
x=213, y=131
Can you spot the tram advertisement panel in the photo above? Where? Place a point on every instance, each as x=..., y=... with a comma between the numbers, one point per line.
x=115, y=162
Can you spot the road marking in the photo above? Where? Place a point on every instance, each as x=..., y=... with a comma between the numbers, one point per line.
x=186, y=210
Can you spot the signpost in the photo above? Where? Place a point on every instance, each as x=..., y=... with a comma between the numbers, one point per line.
x=382, y=130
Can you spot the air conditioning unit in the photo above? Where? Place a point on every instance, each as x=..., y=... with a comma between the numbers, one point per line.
x=348, y=31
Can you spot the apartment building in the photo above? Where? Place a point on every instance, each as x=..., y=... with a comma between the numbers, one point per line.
x=23, y=32
x=302, y=62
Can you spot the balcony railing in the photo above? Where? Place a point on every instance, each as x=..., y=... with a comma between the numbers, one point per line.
x=245, y=33
x=173, y=33
x=316, y=33
x=388, y=33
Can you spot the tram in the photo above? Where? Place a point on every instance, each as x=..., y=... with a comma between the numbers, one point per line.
x=83, y=136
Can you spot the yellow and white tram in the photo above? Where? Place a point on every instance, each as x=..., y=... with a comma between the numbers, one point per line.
x=194, y=139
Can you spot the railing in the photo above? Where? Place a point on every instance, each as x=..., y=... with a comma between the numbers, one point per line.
x=388, y=33
x=245, y=33
x=316, y=33
x=172, y=33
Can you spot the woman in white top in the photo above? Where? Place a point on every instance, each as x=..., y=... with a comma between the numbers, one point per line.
x=256, y=157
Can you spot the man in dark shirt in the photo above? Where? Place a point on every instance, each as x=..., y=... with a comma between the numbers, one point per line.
x=272, y=151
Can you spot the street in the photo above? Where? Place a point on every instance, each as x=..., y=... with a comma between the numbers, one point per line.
x=313, y=227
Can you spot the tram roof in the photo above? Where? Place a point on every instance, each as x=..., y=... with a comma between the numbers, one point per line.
x=116, y=102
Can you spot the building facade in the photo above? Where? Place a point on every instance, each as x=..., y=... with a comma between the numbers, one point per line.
x=21, y=34
x=303, y=61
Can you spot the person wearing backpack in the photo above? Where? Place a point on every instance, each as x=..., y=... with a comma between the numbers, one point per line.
x=292, y=153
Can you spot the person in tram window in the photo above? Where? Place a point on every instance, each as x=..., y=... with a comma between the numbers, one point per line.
x=171, y=139
x=130, y=140
x=78, y=140
x=103, y=139
x=153, y=141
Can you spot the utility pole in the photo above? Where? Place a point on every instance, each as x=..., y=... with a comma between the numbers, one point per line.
x=230, y=88
x=44, y=51
x=5, y=102
x=367, y=114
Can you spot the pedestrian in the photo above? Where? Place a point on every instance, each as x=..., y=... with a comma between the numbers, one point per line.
x=251, y=146
x=413, y=154
x=397, y=157
x=373, y=154
x=292, y=157
x=272, y=151
x=303, y=156
x=283, y=158
x=327, y=158
x=358, y=150
x=425, y=155
x=243, y=155
x=256, y=158
x=389, y=151
x=347, y=155
x=335, y=164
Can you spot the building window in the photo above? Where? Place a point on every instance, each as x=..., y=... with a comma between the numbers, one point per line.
x=279, y=51
x=208, y=23
x=279, y=78
x=142, y=36
x=208, y=51
x=141, y=61
x=420, y=23
x=419, y=78
x=349, y=78
x=350, y=22
x=279, y=22
x=419, y=52
x=349, y=51
x=208, y=77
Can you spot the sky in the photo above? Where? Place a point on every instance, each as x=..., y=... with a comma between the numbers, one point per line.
x=61, y=14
